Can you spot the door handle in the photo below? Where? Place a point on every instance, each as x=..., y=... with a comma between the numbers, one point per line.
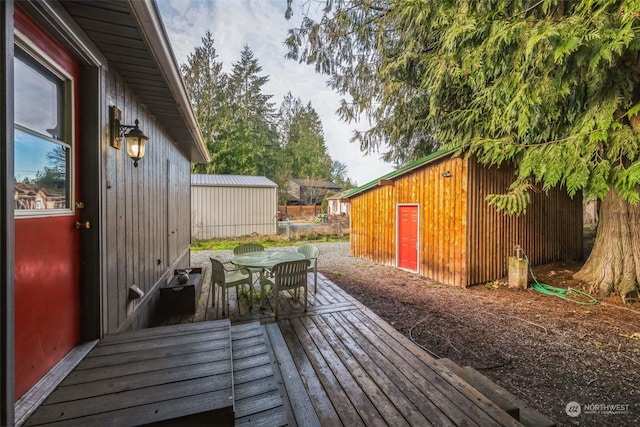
x=85, y=224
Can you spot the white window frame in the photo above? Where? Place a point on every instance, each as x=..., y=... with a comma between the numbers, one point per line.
x=68, y=140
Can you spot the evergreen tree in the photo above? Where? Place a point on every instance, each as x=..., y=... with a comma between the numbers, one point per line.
x=551, y=86
x=350, y=43
x=243, y=132
x=205, y=82
x=305, y=150
x=254, y=136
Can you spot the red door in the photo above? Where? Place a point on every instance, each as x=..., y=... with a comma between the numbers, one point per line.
x=47, y=246
x=408, y=237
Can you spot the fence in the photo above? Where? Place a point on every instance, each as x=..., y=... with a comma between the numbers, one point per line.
x=300, y=212
x=299, y=230
x=217, y=231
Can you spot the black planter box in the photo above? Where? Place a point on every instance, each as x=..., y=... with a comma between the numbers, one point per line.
x=177, y=298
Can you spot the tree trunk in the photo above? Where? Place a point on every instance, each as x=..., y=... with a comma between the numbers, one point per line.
x=614, y=263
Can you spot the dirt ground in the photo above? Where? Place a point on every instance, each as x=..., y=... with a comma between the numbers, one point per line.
x=545, y=350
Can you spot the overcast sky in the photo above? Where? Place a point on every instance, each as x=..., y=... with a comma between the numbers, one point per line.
x=261, y=25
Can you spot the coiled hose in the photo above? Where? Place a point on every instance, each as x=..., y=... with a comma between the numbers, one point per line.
x=569, y=294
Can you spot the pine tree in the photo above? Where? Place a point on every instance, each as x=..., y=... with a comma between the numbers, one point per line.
x=551, y=86
x=254, y=118
x=206, y=84
x=302, y=139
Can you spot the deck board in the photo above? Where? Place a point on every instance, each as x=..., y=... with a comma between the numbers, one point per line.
x=375, y=380
x=301, y=412
x=356, y=369
x=465, y=397
x=128, y=379
x=258, y=398
x=319, y=372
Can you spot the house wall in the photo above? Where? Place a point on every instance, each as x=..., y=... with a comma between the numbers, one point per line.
x=225, y=211
x=551, y=230
x=336, y=207
x=442, y=250
x=147, y=230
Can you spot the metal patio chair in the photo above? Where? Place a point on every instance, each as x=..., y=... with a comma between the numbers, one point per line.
x=245, y=248
x=287, y=276
x=227, y=278
x=311, y=253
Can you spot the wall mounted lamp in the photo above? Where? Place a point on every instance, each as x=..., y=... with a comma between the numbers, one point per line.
x=446, y=174
x=134, y=138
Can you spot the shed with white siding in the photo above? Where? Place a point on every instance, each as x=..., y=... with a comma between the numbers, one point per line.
x=232, y=206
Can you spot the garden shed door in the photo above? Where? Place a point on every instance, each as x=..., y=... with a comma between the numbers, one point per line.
x=408, y=226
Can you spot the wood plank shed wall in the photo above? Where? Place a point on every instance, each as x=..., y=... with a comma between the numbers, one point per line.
x=146, y=234
x=551, y=230
x=442, y=209
x=462, y=240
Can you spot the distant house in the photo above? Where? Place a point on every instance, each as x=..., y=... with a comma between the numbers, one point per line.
x=336, y=206
x=28, y=196
x=431, y=217
x=309, y=191
x=232, y=206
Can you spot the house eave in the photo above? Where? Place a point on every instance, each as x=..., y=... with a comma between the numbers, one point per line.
x=148, y=17
x=134, y=39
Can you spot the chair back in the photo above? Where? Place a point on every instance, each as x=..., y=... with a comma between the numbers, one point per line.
x=289, y=275
x=217, y=272
x=247, y=247
x=309, y=251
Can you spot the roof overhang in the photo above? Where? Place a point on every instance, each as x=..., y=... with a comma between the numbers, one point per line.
x=130, y=36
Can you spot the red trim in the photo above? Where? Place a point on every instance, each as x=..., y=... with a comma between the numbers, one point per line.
x=44, y=41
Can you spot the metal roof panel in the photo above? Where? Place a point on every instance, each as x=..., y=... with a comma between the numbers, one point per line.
x=231, y=181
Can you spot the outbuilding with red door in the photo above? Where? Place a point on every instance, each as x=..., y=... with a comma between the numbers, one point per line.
x=431, y=217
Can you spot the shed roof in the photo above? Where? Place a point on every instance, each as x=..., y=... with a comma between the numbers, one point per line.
x=129, y=36
x=399, y=172
x=231, y=181
x=339, y=195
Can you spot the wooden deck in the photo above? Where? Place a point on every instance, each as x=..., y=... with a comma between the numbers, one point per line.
x=175, y=374
x=338, y=364
x=341, y=364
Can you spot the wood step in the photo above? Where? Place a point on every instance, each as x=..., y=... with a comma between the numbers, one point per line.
x=515, y=407
x=170, y=375
x=257, y=395
x=492, y=391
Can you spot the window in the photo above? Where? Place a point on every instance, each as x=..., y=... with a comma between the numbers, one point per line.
x=42, y=145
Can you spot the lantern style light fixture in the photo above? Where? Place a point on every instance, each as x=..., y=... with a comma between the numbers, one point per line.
x=134, y=138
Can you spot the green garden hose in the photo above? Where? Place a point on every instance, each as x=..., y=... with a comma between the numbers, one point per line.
x=568, y=294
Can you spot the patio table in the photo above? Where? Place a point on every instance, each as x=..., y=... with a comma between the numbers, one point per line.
x=265, y=260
